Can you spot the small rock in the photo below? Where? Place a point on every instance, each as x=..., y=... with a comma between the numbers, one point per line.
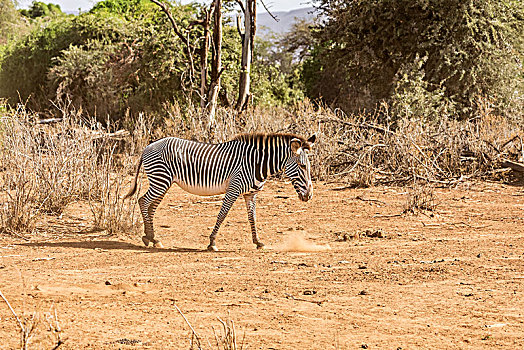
x=362, y=267
x=364, y=346
x=479, y=255
x=219, y=290
x=126, y=341
x=363, y=292
x=108, y=283
x=310, y=292
x=496, y=325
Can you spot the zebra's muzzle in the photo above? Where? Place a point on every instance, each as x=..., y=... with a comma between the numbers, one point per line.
x=304, y=197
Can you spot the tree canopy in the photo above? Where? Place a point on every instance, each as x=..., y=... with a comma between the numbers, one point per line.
x=422, y=56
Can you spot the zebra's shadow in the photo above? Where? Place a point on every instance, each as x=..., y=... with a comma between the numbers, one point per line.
x=111, y=245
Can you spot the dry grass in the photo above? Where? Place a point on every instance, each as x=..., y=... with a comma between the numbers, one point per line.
x=375, y=148
x=46, y=167
x=34, y=325
x=420, y=198
x=224, y=339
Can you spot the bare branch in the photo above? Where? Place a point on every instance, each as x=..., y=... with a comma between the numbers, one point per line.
x=272, y=16
x=165, y=9
x=241, y=6
x=13, y=311
x=189, y=324
x=239, y=30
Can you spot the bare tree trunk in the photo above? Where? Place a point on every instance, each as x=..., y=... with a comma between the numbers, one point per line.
x=247, y=54
x=216, y=63
x=203, y=60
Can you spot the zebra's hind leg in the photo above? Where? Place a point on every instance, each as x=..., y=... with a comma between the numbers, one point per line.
x=148, y=204
x=251, y=215
x=228, y=202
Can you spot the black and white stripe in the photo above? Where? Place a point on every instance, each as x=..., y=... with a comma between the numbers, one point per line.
x=237, y=167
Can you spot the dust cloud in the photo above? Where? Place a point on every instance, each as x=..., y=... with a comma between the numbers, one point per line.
x=297, y=243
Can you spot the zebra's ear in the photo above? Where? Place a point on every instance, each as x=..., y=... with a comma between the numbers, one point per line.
x=295, y=145
x=312, y=139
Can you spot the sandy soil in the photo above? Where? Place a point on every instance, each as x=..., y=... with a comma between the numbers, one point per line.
x=452, y=279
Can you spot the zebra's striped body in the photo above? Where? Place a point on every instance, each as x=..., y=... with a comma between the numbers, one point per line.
x=237, y=167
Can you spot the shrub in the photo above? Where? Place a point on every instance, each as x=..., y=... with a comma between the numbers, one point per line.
x=47, y=167
x=441, y=55
x=26, y=63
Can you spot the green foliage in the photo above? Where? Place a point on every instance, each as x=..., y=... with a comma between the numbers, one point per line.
x=83, y=74
x=105, y=63
x=10, y=22
x=126, y=8
x=26, y=63
x=123, y=57
x=277, y=65
x=118, y=6
x=40, y=9
x=425, y=57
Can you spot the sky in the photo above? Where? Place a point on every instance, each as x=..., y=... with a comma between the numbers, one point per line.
x=74, y=5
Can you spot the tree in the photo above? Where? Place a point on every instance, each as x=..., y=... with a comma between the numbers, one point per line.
x=208, y=94
x=41, y=9
x=9, y=20
x=216, y=63
x=248, y=38
x=418, y=55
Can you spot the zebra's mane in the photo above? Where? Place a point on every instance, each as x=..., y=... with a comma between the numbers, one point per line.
x=260, y=137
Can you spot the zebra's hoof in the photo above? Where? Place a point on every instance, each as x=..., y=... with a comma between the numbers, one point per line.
x=146, y=241
x=158, y=244
x=261, y=246
x=212, y=248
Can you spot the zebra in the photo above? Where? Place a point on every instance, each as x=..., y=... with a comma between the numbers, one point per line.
x=238, y=167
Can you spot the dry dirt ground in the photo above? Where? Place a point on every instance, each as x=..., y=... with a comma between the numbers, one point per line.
x=451, y=279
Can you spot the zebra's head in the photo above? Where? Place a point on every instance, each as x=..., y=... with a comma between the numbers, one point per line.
x=298, y=169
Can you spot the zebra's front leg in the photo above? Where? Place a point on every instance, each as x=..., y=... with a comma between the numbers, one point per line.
x=228, y=202
x=251, y=215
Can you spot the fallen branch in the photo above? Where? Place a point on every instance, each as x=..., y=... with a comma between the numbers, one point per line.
x=388, y=215
x=518, y=167
x=369, y=200
x=289, y=296
x=13, y=311
x=190, y=326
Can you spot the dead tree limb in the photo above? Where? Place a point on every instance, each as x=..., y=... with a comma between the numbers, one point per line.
x=269, y=12
x=518, y=167
x=216, y=63
x=178, y=33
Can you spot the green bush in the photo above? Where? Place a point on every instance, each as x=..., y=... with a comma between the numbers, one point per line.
x=10, y=22
x=40, y=9
x=26, y=63
x=103, y=63
x=447, y=52
x=123, y=57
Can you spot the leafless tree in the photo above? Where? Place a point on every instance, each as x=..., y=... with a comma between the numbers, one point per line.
x=249, y=9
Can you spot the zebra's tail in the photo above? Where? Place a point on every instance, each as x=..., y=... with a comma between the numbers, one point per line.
x=133, y=189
